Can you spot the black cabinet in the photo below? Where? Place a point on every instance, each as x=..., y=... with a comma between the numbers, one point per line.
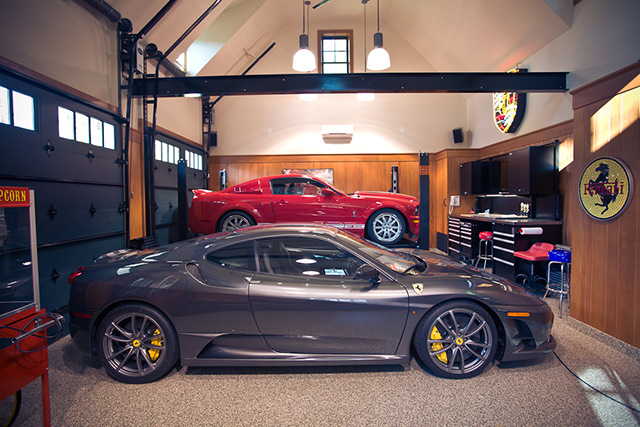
x=454, y=237
x=499, y=175
x=474, y=177
x=532, y=170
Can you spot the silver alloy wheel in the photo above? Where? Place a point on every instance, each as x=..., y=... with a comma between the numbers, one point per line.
x=460, y=341
x=235, y=221
x=388, y=227
x=134, y=344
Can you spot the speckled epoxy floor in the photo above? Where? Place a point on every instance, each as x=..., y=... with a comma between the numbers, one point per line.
x=541, y=392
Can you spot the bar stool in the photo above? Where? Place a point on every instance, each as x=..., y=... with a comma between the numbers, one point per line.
x=485, y=249
x=538, y=252
x=559, y=274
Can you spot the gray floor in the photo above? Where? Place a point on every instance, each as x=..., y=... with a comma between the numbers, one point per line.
x=537, y=393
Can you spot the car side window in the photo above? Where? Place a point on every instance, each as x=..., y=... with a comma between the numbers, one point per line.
x=296, y=186
x=239, y=257
x=306, y=257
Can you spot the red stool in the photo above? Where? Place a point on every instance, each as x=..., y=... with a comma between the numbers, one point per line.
x=485, y=250
x=538, y=252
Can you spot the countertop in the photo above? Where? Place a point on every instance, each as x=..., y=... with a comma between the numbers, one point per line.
x=507, y=219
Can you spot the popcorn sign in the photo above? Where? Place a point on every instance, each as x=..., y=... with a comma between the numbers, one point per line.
x=14, y=197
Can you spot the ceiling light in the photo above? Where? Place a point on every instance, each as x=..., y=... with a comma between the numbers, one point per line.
x=378, y=58
x=365, y=96
x=304, y=59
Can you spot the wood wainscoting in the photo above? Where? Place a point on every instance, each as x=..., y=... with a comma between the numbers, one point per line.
x=351, y=172
x=605, y=282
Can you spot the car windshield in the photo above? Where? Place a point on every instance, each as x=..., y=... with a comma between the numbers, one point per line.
x=397, y=261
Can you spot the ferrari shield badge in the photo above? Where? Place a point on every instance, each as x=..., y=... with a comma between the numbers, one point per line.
x=606, y=188
x=418, y=287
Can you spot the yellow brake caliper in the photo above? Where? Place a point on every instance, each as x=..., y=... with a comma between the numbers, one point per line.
x=435, y=335
x=153, y=353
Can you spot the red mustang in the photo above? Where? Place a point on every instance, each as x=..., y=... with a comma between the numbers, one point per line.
x=379, y=216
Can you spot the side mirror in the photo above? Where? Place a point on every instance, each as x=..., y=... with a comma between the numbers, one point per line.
x=366, y=272
x=327, y=192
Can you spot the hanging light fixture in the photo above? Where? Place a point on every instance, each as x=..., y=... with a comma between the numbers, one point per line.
x=378, y=58
x=365, y=96
x=304, y=59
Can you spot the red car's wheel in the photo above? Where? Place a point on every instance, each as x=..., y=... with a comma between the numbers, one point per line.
x=386, y=227
x=234, y=220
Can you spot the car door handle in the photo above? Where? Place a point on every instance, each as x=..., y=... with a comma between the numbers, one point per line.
x=251, y=281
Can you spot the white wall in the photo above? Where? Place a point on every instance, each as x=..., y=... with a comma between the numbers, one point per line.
x=71, y=43
x=62, y=40
x=391, y=123
x=604, y=37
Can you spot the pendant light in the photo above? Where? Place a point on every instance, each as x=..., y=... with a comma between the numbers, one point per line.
x=365, y=96
x=378, y=57
x=304, y=59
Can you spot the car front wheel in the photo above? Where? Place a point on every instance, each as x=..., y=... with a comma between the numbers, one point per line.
x=386, y=227
x=235, y=220
x=456, y=340
x=137, y=344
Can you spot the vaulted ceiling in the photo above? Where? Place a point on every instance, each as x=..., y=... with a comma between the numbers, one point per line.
x=450, y=35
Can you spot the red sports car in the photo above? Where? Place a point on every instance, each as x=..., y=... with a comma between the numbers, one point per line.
x=382, y=217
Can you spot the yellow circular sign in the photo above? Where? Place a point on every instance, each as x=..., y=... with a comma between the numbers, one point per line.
x=606, y=188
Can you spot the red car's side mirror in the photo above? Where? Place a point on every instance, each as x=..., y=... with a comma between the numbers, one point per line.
x=327, y=192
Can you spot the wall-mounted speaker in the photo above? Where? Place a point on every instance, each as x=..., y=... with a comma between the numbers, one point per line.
x=458, y=136
x=210, y=139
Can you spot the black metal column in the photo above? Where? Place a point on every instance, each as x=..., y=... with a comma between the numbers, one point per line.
x=183, y=202
x=423, y=239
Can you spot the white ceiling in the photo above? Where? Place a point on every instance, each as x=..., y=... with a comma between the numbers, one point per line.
x=450, y=35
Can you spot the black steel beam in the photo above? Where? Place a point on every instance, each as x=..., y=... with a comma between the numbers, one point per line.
x=271, y=84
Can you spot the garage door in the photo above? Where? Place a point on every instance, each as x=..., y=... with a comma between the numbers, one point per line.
x=168, y=151
x=69, y=152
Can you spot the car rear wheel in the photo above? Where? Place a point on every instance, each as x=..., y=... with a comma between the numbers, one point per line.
x=386, y=227
x=137, y=344
x=456, y=340
x=234, y=220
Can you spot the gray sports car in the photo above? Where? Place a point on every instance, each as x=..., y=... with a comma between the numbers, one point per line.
x=273, y=295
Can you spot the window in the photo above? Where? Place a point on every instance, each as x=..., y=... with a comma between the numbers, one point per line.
x=336, y=54
x=88, y=130
x=17, y=109
x=181, y=61
x=166, y=152
x=238, y=257
x=306, y=257
x=194, y=160
x=296, y=186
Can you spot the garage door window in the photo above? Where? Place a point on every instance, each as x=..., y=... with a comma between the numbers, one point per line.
x=194, y=160
x=167, y=153
x=17, y=109
x=88, y=130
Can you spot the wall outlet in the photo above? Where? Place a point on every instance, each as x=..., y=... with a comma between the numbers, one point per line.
x=455, y=200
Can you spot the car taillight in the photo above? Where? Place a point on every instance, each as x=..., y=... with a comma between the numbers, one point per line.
x=75, y=274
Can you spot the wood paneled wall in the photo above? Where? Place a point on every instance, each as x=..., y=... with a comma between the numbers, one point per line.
x=605, y=282
x=136, y=186
x=445, y=171
x=351, y=172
